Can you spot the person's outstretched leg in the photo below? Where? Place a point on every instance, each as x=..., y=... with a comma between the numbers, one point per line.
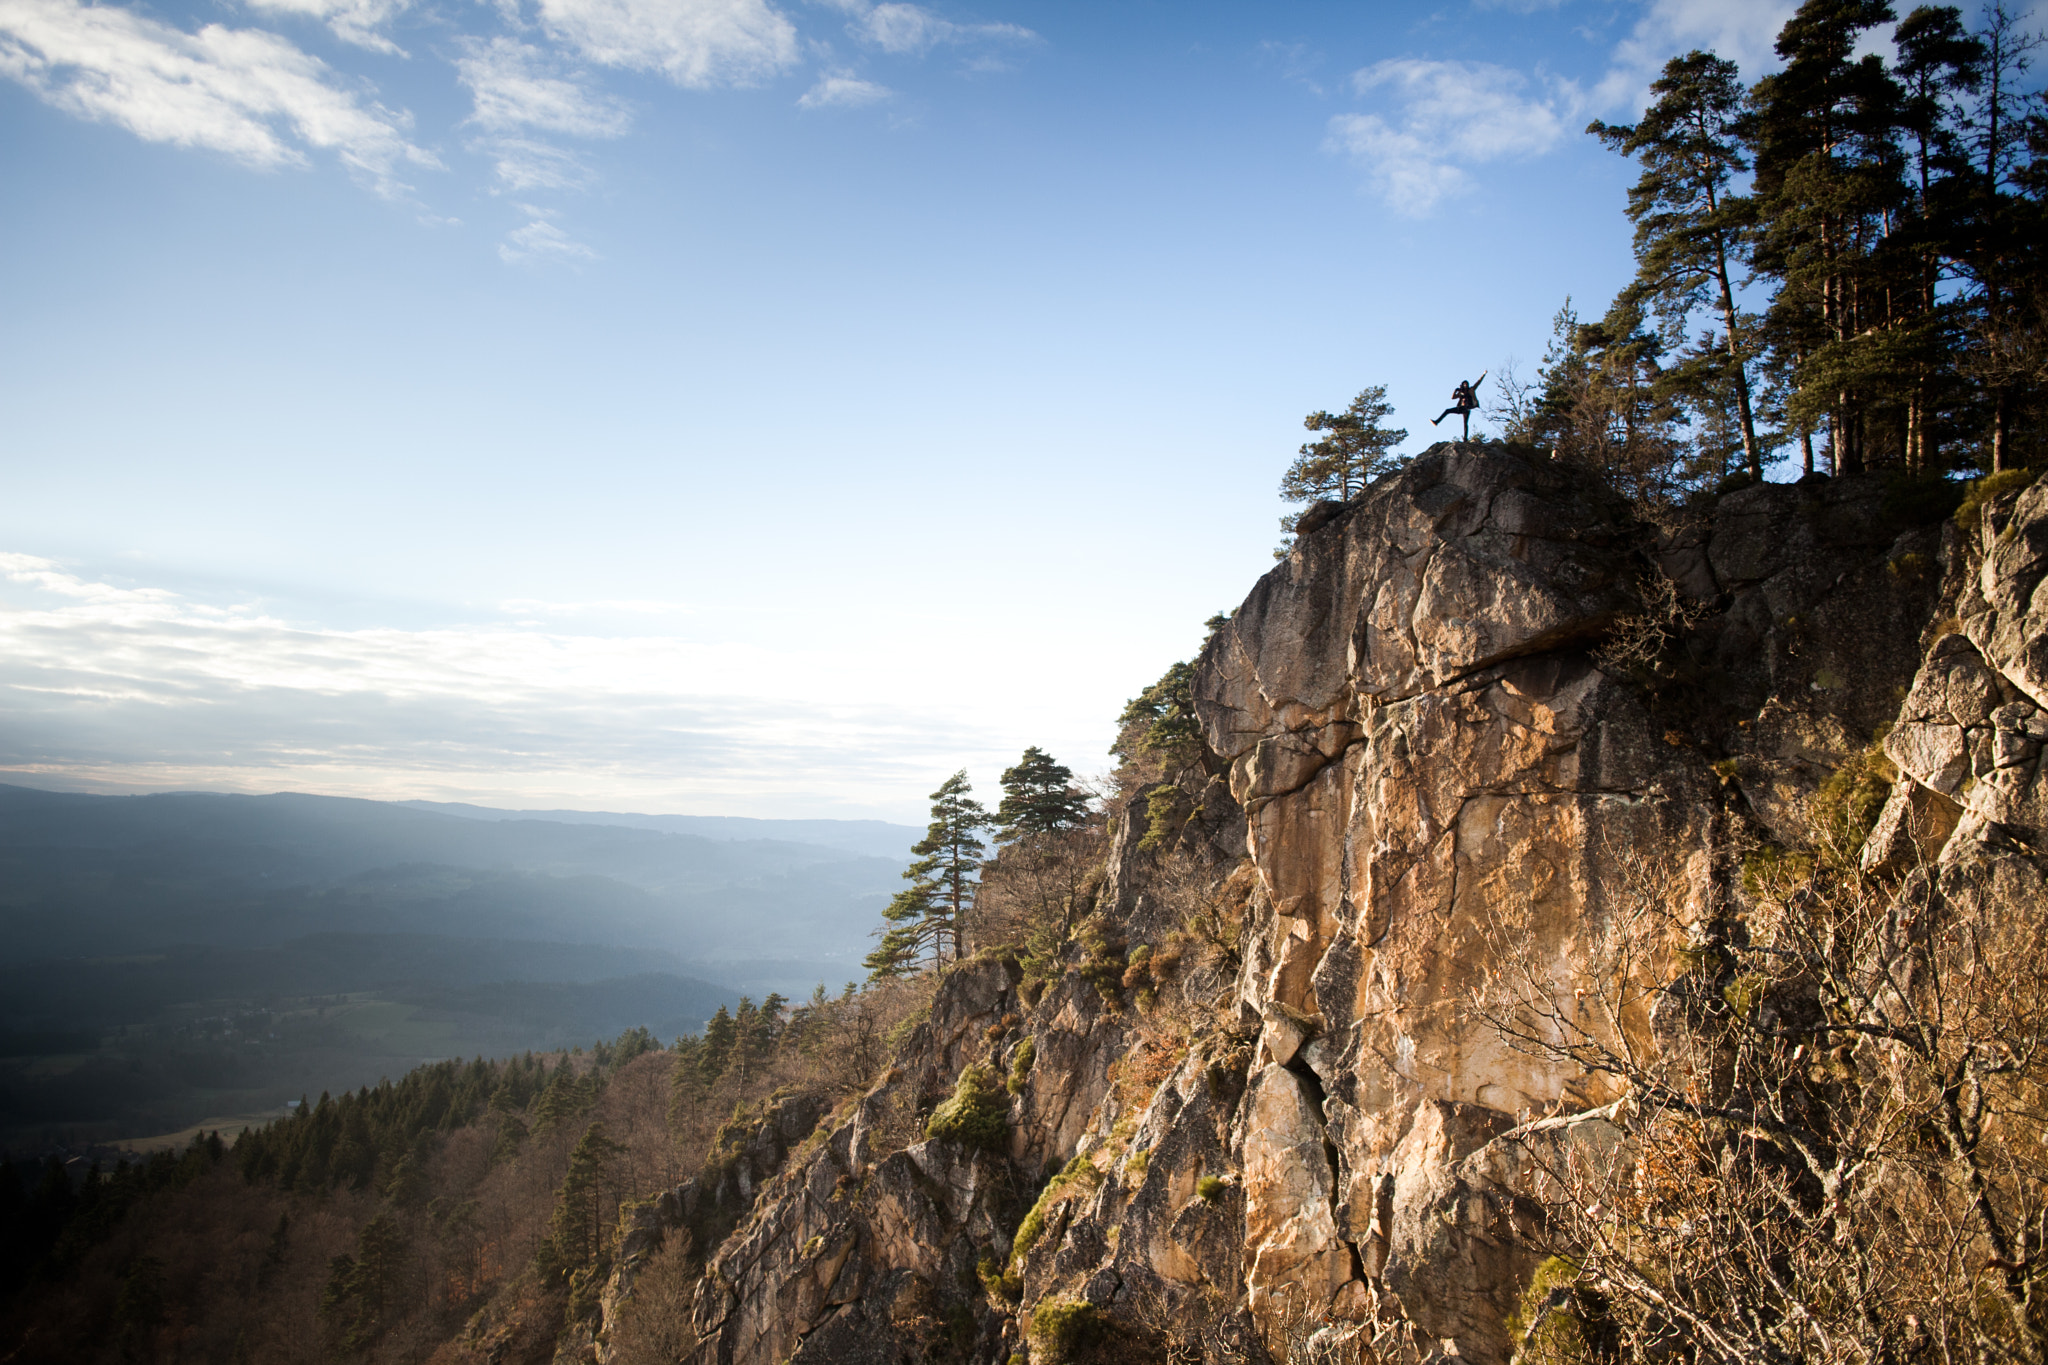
x=1445, y=413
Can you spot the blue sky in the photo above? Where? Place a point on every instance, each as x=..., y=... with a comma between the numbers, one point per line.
x=725, y=406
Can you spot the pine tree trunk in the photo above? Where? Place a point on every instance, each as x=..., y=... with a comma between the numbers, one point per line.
x=1998, y=432
x=1752, y=458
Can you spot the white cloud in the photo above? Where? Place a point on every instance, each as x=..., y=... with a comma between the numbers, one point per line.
x=842, y=91
x=541, y=240
x=902, y=28
x=692, y=42
x=523, y=164
x=623, y=606
x=1448, y=116
x=111, y=685
x=352, y=21
x=1741, y=30
x=513, y=88
x=244, y=92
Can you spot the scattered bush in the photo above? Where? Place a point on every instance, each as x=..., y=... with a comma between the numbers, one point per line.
x=1211, y=1188
x=1165, y=814
x=1103, y=962
x=1910, y=567
x=995, y=1281
x=1020, y=1065
x=1847, y=804
x=1970, y=512
x=1078, y=1172
x=1545, y=1325
x=976, y=1116
x=1921, y=500
x=1060, y=1326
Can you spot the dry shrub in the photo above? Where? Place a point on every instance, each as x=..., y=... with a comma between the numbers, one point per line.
x=1640, y=642
x=653, y=1326
x=1036, y=890
x=1139, y=1073
x=1831, y=1126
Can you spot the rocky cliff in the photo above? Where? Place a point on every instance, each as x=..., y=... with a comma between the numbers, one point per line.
x=1250, y=1109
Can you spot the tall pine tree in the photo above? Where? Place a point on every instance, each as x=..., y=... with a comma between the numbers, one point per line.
x=1691, y=227
x=1829, y=185
x=578, y=1244
x=925, y=922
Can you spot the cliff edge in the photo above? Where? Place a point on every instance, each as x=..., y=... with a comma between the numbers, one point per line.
x=1249, y=1108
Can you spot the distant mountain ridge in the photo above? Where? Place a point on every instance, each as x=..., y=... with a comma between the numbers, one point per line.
x=96, y=874
x=874, y=838
x=384, y=932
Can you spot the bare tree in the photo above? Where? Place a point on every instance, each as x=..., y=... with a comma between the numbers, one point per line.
x=1828, y=1137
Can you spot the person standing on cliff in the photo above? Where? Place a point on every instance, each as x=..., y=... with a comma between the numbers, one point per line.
x=1464, y=402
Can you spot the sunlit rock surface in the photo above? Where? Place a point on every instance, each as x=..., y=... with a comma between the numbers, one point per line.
x=1421, y=728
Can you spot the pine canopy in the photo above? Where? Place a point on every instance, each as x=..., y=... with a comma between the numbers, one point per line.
x=1354, y=449
x=1038, y=798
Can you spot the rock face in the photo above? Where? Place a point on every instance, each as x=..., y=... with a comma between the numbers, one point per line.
x=1479, y=694
x=1424, y=746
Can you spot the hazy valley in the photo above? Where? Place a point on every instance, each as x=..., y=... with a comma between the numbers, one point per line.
x=184, y=957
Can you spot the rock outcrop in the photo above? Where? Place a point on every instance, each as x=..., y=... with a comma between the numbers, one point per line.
x=1479, y=694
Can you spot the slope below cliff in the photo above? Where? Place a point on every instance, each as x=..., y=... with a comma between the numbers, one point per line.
x=1247, y=1107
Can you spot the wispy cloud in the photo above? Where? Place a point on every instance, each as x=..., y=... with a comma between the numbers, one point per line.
x=533, y=607
x=514, y=85
x=352, y=21
x=1296, y=62
x=842, y=90
x=902, y=28
x=117, y=685
x=517, y=89
x=1443, y=118
x=541, y=240
x=695, y=43
x=244, y=92
x=523, y=164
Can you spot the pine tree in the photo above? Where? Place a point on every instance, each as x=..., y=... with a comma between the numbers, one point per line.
x=1354, y=450
x=927, y=919
x=1691, y=230
x=721, y=1035
x=561, y=1098
x=2000, y=248
x=1160, y=722
x=1603, y=403
x=577, y=1244
x=901, y=942
x=1038, y=798
x=367, y=1287
x=1939, y=62
x=1829, y=186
